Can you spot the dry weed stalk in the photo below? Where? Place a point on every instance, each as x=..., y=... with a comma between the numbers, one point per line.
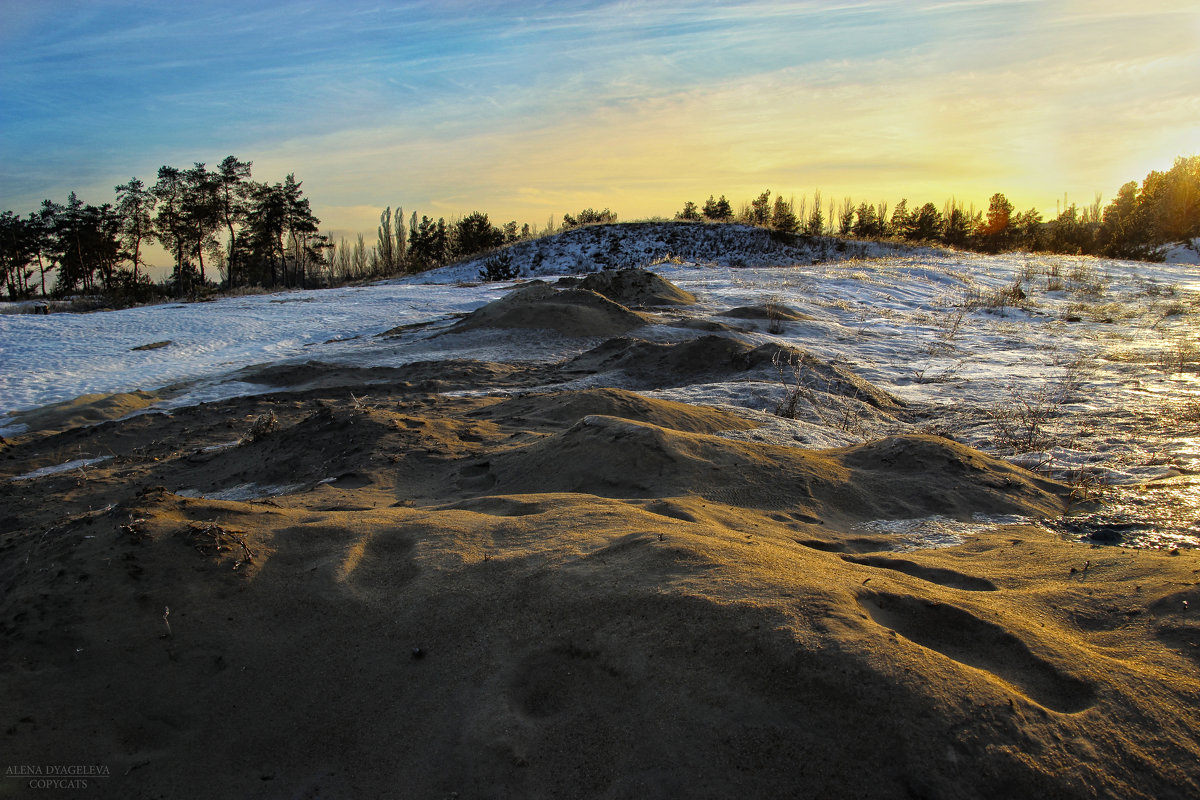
x=360, y=403
x=774, y=315
x=1180, y=357
x=1023, y=423
x=261, y=426
x=805, y=385
x=210, y=539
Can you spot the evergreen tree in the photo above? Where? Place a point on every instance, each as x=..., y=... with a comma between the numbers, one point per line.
x=958, y=224
x=815, y=223
x=1124, y=230
x=86, y=245
x=170, y=222
x=783, y=218
x=1071, y=232
x=233, y=193
x=690, y=212
x=846, y=219
x=718, y=210
x=262, y=241
x=589, y=216
x=995, y=232
x=760, y=209
x=16, y=253
x=925, y=225
x=1026, y=230
x=135, y=204
x=866, y=225
x=902, y=220
x=201, y=213
x=474, y=233
x=428, y=243
x=304, y=246
x=41, y=226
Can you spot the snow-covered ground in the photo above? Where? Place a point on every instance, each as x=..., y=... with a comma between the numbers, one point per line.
x=1081, y=366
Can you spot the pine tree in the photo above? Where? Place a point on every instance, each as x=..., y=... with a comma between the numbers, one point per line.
x=901, y=224
x=201, y=212
x=816, y=222
x=474, y=233
x=783, y=218
x=170, y=223
x=995, y=232
x=233, y=191
x=717, y=210
x=135, y=204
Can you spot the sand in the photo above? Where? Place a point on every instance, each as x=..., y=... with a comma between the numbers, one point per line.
x=636, y=288
x=571, y=312
x=325, y=592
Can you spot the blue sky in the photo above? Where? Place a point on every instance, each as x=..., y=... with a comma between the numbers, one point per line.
x=528, y=110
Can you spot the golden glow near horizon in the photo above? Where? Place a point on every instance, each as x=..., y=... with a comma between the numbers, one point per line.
x=527, y=113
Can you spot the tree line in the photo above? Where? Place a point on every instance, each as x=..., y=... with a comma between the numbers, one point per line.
x=221, y=227
x=1163, y=209
x=415, y=245
x=214, y=223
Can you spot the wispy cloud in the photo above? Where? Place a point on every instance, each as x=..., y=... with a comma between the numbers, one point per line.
x=531, y=108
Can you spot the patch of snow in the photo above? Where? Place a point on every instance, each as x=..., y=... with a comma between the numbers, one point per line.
x=1183, y=252
x=936, y=531
x=78, y=463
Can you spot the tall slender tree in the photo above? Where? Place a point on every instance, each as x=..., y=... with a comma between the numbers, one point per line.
x=170, y=222
x=135, y=204
x=201, y=212
x=302, y=228
x=232, y=192
x=15, y=254
x=387, y=244
x=815, y=223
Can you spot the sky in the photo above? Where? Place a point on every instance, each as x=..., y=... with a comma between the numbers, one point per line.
x=529, y=110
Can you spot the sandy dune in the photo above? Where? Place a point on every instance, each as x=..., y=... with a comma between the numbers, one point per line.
x=569, y=593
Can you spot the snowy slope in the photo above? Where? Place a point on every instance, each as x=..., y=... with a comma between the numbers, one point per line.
x=1183, y=252
x=641, y=244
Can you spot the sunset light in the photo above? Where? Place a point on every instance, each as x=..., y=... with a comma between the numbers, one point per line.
x=527, y=110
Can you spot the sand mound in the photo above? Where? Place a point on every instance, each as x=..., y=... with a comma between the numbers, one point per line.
x=571, y=312
x=86, y=409
x=277, y=459
x=768, y=312
x=613, y=457
x=334, y=446
x=633, y=288
x=563, y=409
x=661, y=364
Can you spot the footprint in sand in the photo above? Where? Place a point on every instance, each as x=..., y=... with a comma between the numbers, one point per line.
x=963, y=637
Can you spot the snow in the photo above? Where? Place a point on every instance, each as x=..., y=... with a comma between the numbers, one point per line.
x=47, y=359
x=1183, y=252
x=1107, y=349
x=56, y=469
